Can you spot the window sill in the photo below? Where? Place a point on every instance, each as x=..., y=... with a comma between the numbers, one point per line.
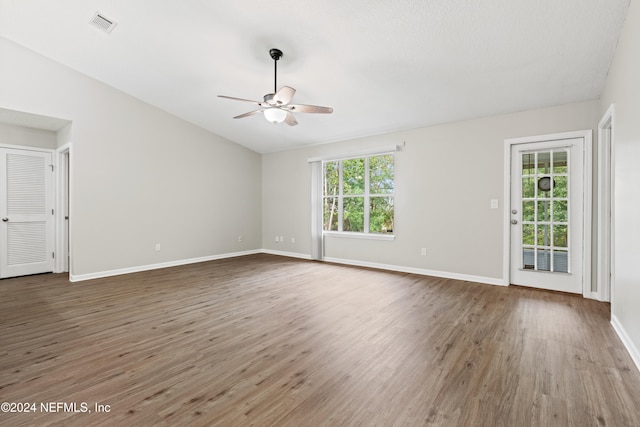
x=366, y=236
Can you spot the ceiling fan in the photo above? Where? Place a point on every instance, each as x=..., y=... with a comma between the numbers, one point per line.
x=276, y=106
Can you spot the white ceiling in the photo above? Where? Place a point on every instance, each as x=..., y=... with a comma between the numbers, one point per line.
x=382, y=65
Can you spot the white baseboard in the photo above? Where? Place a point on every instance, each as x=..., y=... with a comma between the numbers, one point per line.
x=109, y=273
x=287, y=254
x=424, y=272
x=421, y=271
x=624, y=337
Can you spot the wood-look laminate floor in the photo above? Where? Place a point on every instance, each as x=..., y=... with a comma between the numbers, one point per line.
x=263, y=340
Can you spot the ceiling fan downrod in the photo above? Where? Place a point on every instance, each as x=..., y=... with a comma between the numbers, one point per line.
x=276, y=54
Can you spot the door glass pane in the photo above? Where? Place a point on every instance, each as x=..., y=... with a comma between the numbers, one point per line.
x=528, y=234
x=560, y=162
x=528, y=164
x=560, y=188
x=544, y=163
x=529, y=187
x=545, y=185
x=528, y=259
x=560, y=211
x=528, y=211
x=561, y=261
x=544, y=260
x=560, y=236
x=545, y=211
x=544, y=235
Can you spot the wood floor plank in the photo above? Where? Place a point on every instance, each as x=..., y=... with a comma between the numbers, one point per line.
x=263, y=340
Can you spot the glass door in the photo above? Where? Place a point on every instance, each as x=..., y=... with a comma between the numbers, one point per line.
x=546, y=215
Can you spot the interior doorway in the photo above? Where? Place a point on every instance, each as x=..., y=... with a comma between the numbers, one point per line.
x=27, y=132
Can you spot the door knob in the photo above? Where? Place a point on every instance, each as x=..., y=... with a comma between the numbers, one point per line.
x=514, y=221
x=5, y=219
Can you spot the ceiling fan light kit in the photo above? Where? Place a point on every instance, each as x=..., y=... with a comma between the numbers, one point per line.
x=274, y=115
x=276, y=106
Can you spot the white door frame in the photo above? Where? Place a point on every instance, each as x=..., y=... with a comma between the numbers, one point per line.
x=605, y=207
x=588, y=189
x=63, y=199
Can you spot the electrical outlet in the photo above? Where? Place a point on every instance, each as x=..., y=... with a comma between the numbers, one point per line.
x=293, y=240
x=423, y=251
x=277, y=239
x=281, y=239
x=494, y=203
x=157, y=246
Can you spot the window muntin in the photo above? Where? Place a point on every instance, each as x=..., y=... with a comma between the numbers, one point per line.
x=358, y=195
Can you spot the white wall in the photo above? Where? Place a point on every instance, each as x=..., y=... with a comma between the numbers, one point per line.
x=140, y=176
x=63, y=136
x=623, y=89
x=445, y=178
x=20, y=135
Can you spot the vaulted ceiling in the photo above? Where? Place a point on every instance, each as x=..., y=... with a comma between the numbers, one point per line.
x=382, y=65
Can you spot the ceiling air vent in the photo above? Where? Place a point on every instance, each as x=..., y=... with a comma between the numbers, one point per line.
x=102, y=23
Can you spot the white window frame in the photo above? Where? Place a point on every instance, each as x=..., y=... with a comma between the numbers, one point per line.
x=366, y=234
x=317, y=217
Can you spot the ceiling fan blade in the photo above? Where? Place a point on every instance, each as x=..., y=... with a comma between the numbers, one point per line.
x=310, y=109
x=240, y=99
x=284, y=95
x=290, y=120
x=250, y=113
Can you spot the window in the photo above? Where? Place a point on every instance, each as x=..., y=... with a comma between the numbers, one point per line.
x=358, y=195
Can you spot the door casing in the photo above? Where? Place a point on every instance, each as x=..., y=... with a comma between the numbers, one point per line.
x=63, y=185
x=604, y=260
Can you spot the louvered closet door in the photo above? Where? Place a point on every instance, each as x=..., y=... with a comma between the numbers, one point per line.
x=26, y=229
